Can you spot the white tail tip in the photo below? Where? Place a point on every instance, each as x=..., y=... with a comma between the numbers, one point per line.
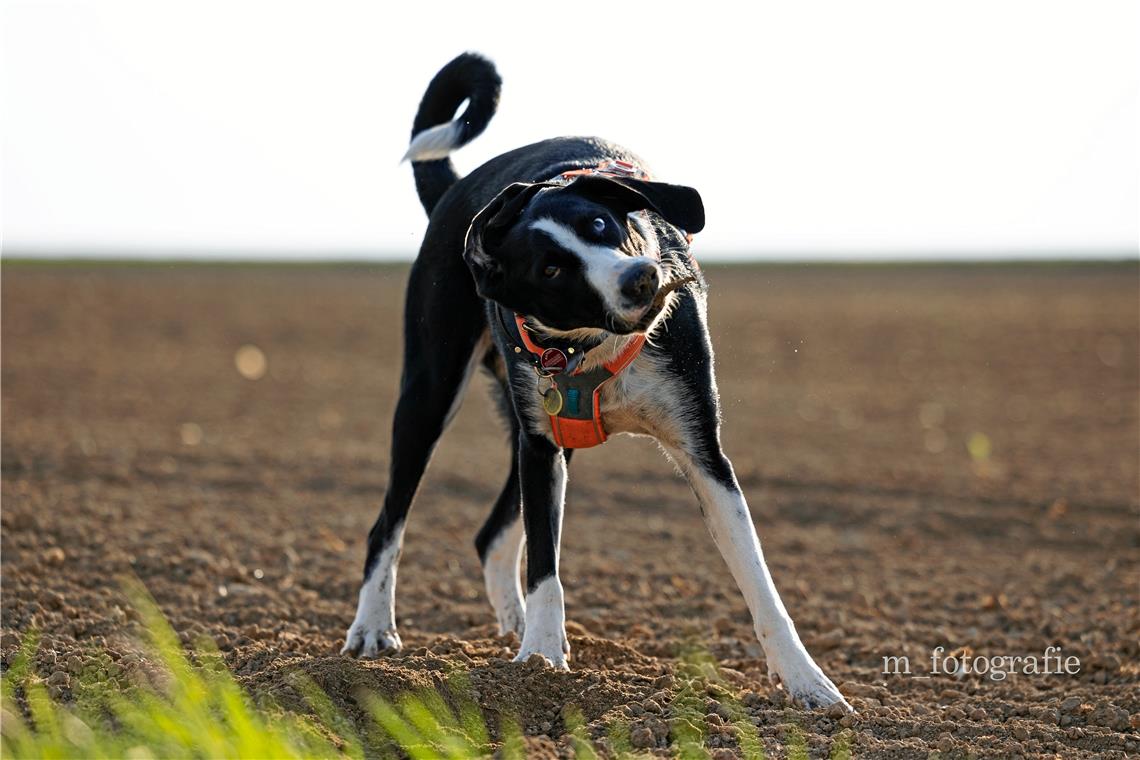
x=433, y=144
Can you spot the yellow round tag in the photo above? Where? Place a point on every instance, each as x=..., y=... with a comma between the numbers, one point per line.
x=552, y=401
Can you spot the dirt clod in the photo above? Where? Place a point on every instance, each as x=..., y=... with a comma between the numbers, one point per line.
x=642, y=737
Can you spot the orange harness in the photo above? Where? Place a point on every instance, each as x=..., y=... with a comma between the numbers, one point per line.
x=573, y=400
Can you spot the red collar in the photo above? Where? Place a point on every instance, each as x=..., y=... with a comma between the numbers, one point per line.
x=553, y=364
x=613, y=166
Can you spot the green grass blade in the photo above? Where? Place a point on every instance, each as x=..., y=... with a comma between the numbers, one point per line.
x=401, y=731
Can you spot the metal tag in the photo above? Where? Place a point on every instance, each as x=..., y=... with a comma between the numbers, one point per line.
x=552, y=401
x=553, y=361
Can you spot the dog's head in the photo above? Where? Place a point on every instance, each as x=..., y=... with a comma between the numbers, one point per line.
x=575, y=255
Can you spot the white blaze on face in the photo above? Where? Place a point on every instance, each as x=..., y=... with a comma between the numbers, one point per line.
x=603, y=265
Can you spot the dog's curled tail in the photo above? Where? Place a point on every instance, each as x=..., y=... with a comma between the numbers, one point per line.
x=435, y=133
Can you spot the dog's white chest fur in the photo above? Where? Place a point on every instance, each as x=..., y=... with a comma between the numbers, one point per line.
x=644, y=400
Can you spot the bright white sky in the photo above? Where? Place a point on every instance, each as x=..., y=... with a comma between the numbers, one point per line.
x=828, y=129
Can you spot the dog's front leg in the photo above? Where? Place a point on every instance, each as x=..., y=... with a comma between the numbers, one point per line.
x=542, y=480
x=726, y=514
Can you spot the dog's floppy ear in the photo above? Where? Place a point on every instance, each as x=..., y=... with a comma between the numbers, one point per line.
x=487, y=231
x=679, y=205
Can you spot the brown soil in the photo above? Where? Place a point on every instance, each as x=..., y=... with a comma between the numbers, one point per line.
x=935, y=456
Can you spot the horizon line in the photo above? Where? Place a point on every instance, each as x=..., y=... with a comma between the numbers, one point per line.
x=349, y=254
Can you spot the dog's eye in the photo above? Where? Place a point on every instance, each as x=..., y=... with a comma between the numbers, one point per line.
x=551, y=272
x=599, y=225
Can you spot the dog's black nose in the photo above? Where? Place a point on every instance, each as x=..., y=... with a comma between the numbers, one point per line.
x=639, y=283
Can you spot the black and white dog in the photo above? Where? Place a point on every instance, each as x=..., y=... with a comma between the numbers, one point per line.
x=562, y=269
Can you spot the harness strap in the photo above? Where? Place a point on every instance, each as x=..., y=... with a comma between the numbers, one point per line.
x=626, y=356
x=577, y=423
x=528, y=344
x=573, y=427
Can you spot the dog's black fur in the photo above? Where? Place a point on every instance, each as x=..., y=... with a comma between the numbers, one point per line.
x=590, y=258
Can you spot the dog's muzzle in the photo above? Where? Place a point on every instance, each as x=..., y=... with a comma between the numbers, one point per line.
x=639, y=283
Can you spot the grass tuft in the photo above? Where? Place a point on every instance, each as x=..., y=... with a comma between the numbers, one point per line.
x=197, y=710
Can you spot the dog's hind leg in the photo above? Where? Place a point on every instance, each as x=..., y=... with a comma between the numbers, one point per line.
x=500, y=543
x=500, y=540
x=726, y=513
x=445, y=338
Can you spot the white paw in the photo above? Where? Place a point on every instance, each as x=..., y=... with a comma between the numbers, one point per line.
x=373, y=630
x=805, y=682
x=512, y=618
x=367, y=642
x=545, y=633
x=552, y=650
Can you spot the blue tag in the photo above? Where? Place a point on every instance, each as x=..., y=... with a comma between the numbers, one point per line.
x=572, y=400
